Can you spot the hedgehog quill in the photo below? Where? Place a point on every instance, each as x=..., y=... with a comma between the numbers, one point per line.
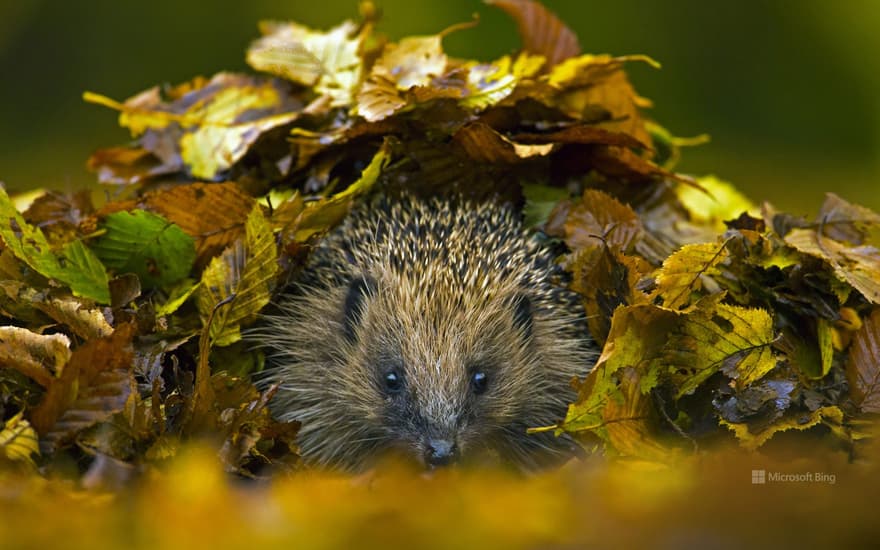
x=437, y=329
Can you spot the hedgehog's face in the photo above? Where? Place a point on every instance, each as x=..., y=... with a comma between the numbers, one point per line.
x=445, y=381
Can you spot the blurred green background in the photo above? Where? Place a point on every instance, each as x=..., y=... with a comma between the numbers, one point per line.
x=789, y=91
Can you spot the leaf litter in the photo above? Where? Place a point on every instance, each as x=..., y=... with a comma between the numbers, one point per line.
x=722, y=321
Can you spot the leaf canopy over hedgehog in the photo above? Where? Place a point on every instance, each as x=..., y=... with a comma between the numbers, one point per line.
x=719, y=318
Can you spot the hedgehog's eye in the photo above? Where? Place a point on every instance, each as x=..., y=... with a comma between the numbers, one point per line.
x=393, y=381
x=479, y=382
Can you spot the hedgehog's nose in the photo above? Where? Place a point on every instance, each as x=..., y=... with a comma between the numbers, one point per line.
x=440, y=452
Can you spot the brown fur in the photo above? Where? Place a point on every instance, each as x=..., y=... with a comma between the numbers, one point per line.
x=435, y=295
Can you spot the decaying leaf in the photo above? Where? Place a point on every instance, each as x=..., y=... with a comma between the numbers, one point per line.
x=37, y=356
x=94, y=384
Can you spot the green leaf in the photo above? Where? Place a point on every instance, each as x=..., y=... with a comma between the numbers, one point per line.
x=85, y=273
x=238, y=282
x=177, y=297
x=139, y=242
x=78, y=267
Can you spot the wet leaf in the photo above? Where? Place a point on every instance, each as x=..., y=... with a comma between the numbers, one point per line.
x=863, y=365
x=240, y=279
x=148, y=245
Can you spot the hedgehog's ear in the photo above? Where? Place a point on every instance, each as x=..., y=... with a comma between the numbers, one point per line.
x=522, y=314
x=353, y=307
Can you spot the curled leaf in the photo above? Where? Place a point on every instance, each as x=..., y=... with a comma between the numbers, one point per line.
x=40, y=357
x=542, y=32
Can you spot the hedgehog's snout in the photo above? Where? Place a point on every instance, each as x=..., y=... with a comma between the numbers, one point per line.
x=440, y=452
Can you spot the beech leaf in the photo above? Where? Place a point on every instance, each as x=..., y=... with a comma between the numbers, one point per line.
x=148, y=245
x=76, y=266
x=242, y=276
x=682, y=273
x=863, y=365
x=542, y=32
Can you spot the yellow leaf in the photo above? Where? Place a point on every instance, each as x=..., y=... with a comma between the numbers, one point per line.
x=716, y=202
x=728, y=338
x=489, y=83
x=414, y=61
x=681, y=274
x=751, y=441
x=327, y=61
x=215, y=121
x=18, y=440
x=238, y=282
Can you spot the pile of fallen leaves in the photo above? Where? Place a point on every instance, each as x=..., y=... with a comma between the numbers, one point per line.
x=122, y=312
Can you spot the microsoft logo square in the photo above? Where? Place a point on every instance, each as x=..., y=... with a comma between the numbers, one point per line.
x=759, y=477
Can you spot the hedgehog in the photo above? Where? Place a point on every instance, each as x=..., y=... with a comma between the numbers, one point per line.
x=436, y=328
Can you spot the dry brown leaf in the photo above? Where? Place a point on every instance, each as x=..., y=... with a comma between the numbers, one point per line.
x=542, y=32
x=94, y=384
x=863, y=365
